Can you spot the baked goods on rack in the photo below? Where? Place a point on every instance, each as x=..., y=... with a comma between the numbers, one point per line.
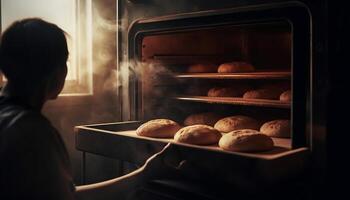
x=158, y=128
x=202, y=68
x=198, y=134
x=206, y=118
x=267, y=91
x=237, y=122
x=246, y=140
x=277, y=128
x=261, y=94
x=286, y=96
x=235, y=67
x=233, y=91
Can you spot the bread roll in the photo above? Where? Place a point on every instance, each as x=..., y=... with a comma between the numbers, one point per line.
x=158, y=128
x=234, y=67
x=276, y=128
x=246, y=140
x=227, y=91
x=202, y=68
x=198, y=134
x=262, y=94
x=207, y=118
x=286, y=96
x=237, y=122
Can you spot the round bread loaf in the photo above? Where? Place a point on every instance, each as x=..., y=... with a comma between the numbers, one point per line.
x=207, y=118
x=235, y=67
x=226, y=91
x=286, y=96
x=246, y=140
x=261, y=94
x=276, y=128
x=198, y=134
x=202, y=68
x=237, y=122
x=158, y=128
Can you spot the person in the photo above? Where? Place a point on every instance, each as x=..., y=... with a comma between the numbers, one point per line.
x=34, y=163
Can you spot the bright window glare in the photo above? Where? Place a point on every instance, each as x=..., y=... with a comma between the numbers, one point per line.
x=60, y=12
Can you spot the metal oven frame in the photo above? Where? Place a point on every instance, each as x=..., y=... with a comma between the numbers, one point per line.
x=309, y=80
x=296, y=14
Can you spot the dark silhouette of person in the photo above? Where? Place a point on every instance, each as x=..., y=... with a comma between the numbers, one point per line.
x=34, y=163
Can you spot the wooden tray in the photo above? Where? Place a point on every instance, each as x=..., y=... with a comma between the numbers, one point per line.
x=245, y=170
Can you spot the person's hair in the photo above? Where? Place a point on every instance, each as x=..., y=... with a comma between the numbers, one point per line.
x=31, y=50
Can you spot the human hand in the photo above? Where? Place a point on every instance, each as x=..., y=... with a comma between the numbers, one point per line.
x=165, y=163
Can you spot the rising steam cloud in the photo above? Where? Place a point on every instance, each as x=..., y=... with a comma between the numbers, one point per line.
x=153, y=76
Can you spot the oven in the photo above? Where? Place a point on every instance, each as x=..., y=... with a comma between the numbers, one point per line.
x=284, y=42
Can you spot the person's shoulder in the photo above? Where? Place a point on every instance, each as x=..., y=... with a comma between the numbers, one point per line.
x=13, y=113
x=28, y=123
x=33, y=117
x=9, y=110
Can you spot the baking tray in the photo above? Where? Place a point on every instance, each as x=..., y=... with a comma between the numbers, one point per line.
x=209, y=163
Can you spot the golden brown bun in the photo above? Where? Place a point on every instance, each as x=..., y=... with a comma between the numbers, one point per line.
x=286, y=96
x=262, y=94
x=235, y=67
x=202, y=118
x=246, y=140
x=237, y=122
x=227, y=91
x=198, y=134
x=158, y=128
x=276, y=128
x=202, y=68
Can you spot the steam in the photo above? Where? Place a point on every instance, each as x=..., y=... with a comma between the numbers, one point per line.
x=103, y=23
x=105, y=60
x=112, y=83
x=158, y=87
x=147, y=8
x=153, y=76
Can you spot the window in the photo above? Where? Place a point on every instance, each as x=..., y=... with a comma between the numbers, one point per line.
x=74, y=17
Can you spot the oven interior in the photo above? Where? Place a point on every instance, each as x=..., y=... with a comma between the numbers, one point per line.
x=170, y=91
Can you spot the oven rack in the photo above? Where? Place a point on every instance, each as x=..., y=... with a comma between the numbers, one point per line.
x=250, y=75
x=186, y=59
x=236, y=101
